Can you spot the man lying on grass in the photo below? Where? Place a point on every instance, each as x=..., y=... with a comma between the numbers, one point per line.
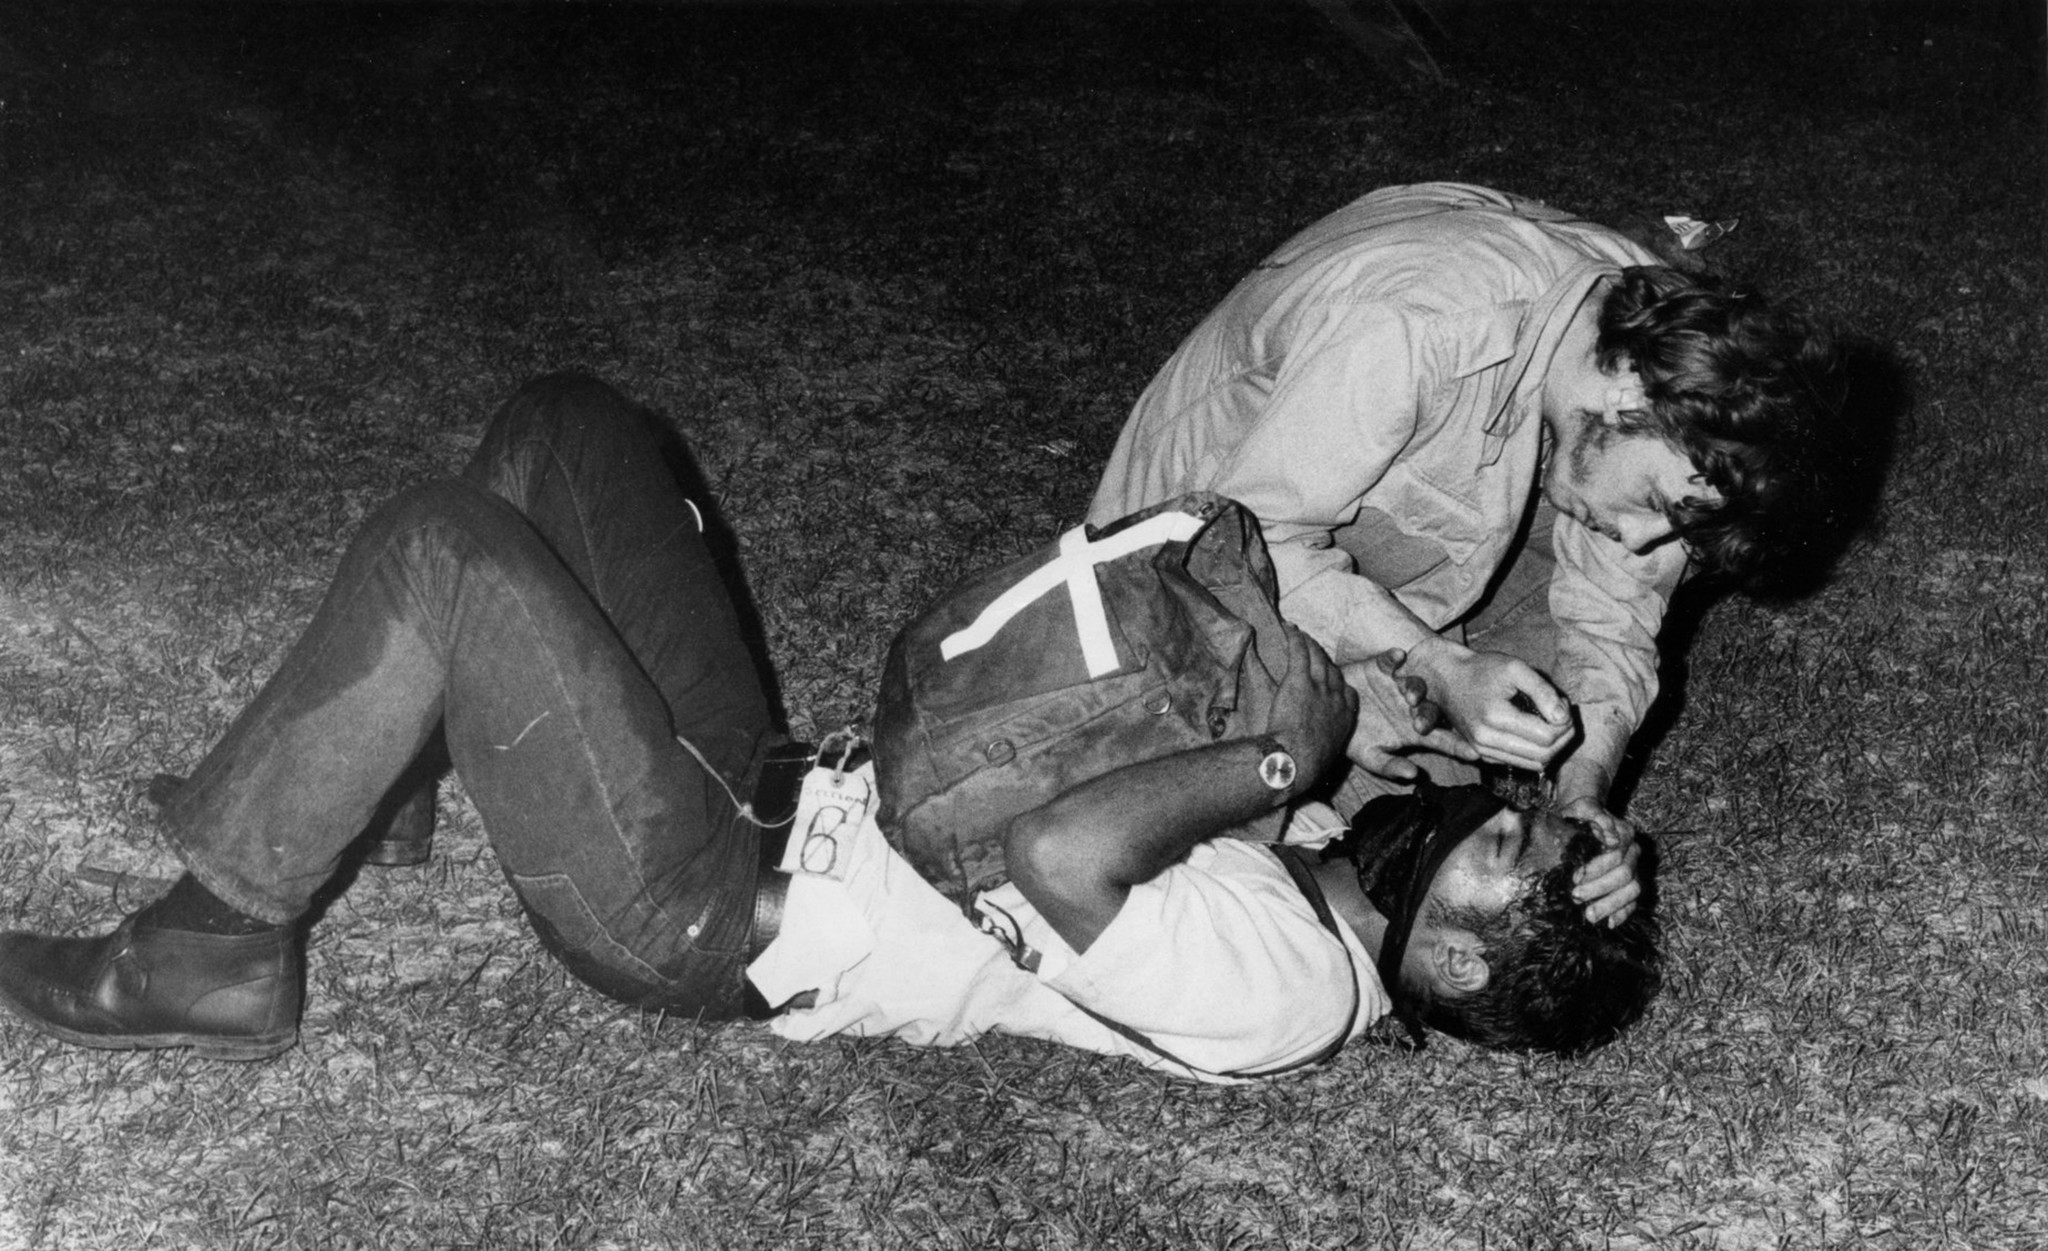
x=554, y=616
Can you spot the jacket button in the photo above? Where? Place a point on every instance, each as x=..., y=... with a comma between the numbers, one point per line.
x=1000, y=752
x=1160, y=704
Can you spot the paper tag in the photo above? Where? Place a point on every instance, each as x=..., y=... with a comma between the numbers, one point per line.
x=829, y=812
x=1694, y=234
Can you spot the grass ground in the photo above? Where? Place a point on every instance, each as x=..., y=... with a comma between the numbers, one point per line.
x=897, y=273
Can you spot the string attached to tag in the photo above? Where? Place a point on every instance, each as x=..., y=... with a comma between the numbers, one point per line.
x=844, y=745
x=845, y=749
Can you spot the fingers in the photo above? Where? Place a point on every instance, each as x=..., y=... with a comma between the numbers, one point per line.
x=1507, y=709
x=1425, y=715
x=1614, y=832
x=1395, y=715
x=1513, y=732
x=1414, y=691
x=1317, y=699
x=1614, y=908
x=1450, y=743
x=1530, y=747
x=1307, y=658
x=1383, y=669
x=1608, y=886
x=1604, y=872
x=1320, y=666
x=1388, y=765
x=1529, y=692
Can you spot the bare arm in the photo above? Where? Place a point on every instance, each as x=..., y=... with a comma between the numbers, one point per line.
x=1077, y=857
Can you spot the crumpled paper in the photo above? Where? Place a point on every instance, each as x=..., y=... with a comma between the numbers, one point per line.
x=1694, y=234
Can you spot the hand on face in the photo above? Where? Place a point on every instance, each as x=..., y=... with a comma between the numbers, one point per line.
x=1478, y=694
x=1607, y=883
x=1515, y=848
x=1396, y=715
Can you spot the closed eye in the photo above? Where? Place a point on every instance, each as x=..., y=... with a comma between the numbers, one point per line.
x=1513, y=845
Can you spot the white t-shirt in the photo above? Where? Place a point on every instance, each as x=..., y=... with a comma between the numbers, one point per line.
x=1219, y=961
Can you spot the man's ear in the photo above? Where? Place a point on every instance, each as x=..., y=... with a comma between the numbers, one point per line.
x=1457, y=960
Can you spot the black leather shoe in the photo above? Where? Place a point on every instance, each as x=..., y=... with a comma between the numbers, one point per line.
x=396, y=837
x=227, y=997
x=406, y=835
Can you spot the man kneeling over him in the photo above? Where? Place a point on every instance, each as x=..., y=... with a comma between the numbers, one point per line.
x=553, y=618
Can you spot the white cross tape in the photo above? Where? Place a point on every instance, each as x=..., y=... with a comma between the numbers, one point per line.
x=1075, y=568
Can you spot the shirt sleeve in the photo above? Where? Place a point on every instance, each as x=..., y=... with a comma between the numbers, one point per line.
x=1341, y=408
x=1609, y=604
x=1224, y=968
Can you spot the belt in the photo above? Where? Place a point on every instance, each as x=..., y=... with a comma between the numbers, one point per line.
x=776, y=788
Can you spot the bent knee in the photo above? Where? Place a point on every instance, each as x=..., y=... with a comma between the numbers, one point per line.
x=554, y=404
x=440, y=503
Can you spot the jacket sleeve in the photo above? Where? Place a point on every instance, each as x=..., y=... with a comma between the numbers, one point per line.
x=1609, y=604
x=1328, y=421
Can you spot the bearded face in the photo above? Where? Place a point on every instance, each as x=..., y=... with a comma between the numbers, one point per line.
x=1390, y=836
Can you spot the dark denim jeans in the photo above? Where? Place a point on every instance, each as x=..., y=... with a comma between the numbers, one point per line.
x=556, y=615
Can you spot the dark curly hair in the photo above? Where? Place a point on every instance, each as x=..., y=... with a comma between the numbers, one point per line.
x=1556, y=982
x=1753, y=394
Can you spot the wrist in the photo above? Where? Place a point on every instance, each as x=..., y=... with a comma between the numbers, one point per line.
x=1429, y=654
x=1279, y=770
x=1578, y=780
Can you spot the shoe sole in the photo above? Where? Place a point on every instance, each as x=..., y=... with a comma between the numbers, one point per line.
x=205, y=1046
x=387, y=854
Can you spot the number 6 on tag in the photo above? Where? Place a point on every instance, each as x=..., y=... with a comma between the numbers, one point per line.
x=828, y=813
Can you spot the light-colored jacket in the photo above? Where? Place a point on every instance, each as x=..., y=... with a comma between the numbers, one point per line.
x=1372, y=392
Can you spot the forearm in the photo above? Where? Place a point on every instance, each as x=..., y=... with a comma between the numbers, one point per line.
x=1588, y=772
x=1353, y=617
x=1077, y=857
x=1610, y=703
x=1609, y=607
